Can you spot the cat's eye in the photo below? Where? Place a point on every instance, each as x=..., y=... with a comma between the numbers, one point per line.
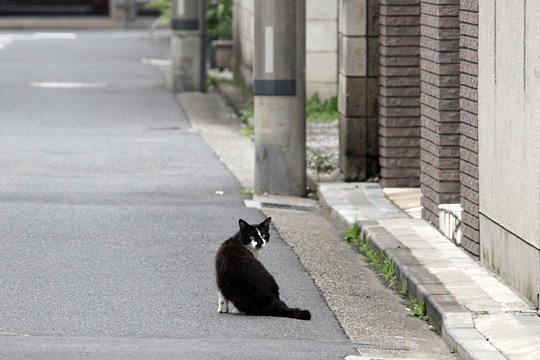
x=251, y=238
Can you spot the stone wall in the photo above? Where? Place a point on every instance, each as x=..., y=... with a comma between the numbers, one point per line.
x=358, y=88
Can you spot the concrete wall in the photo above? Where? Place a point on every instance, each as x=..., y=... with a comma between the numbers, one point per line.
x=509, y=140
x=321, y=44
x=321, y=47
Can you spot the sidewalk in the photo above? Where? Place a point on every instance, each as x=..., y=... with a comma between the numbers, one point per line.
x=480, y=318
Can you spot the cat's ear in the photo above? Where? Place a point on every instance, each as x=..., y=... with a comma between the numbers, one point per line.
x=266, y=223
x=243, y=224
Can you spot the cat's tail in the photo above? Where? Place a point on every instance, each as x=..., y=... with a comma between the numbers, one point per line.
x=300, y=314
x=293, y=313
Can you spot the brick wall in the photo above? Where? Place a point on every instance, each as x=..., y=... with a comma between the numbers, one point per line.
x=440, y=113
x=399, y=93
x=468, y=52
x=358, y=88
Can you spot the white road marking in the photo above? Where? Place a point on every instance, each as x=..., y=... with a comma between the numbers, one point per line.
x=68, y=85
x=6, y=39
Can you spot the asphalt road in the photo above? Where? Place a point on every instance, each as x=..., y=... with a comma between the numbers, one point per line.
x=111, y=211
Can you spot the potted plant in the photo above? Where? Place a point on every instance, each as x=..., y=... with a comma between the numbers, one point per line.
x=219, y=29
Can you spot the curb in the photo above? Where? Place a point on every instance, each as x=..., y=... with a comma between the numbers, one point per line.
x=366, y=205
x=454, y=321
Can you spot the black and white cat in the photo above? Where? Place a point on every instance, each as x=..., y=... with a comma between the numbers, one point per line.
x=243, y=280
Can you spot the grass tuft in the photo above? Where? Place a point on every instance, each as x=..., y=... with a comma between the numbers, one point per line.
x=322, y=111
x=380, y=262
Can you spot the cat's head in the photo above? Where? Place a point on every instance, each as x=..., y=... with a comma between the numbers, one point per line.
x=254, y=237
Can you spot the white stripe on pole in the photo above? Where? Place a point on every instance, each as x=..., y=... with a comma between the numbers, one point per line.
x=180, y=7
x=269, y=49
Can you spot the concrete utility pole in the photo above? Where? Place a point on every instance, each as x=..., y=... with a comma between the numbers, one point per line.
x=279, y=89
x=187, y=45
x=123, y=10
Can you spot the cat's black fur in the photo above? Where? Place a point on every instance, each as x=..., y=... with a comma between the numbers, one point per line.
x=244, y=281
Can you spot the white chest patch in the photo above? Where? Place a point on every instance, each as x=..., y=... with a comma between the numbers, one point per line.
x=256, y=245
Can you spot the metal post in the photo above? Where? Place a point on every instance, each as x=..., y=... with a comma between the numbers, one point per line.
x=187, y=45
x=279, y=89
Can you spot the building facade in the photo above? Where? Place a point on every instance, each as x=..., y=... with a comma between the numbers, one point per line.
x=458, y=116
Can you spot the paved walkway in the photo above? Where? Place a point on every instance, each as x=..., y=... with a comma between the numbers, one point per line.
x=480, y=316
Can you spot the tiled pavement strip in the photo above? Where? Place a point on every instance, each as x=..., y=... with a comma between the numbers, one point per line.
x=480, y=317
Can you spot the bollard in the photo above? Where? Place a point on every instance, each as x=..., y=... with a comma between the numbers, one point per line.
x=187, y=45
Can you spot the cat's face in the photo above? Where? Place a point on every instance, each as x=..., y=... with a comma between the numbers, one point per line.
x=255, y=237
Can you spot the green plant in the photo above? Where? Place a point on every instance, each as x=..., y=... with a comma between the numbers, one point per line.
x=212, y=81
x=352, y=236
x=219, y=19
x=389, y=272
x=404, y=292
x=246, y=114
x=322, y=111
x=381, y=263
x=249, y=192
x=418, y=309
x=164, y=8
x=247, y=130
x=218, y=16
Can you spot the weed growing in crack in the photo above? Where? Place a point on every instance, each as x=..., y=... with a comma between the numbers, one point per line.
x=418, y=310
x=387, y=269
x=380, y=262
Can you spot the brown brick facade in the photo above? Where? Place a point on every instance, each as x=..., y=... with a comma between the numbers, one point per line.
x=427, y=108
x=399, y=93
x=468, y=141
x=440, y=102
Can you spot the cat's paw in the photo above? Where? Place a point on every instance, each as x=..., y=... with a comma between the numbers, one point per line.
x=223, y=307
x=237, y=312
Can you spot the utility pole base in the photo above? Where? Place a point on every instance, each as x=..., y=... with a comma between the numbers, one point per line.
x=280, y=161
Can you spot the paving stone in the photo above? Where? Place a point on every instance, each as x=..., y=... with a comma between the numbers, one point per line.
x=458, y=320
